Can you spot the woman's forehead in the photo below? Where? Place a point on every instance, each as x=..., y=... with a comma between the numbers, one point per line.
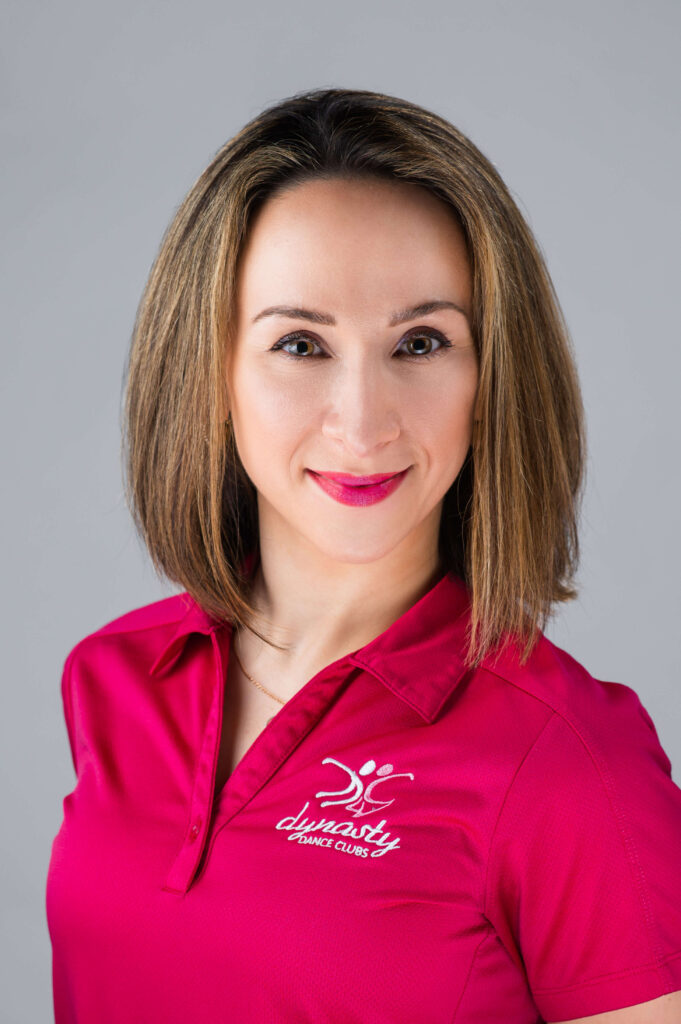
x=353, y=244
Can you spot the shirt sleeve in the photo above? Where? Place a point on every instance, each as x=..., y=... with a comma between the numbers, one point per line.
x=584, y=874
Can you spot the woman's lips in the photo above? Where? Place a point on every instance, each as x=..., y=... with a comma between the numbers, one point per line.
x=358, y=490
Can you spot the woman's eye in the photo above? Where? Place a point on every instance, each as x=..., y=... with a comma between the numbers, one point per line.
x=420, y=341
x=423, y=343
x=299, y=340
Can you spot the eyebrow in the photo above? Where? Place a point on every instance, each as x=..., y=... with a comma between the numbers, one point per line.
x=399, y=317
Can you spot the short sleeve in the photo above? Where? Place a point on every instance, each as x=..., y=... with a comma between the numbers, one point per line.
x=584, y=874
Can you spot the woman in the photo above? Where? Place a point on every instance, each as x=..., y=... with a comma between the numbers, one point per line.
x=343, y=775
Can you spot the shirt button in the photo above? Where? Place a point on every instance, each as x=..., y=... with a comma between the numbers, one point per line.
x=194, y=831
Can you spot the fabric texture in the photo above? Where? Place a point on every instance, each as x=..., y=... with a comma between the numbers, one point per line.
x=407, y=840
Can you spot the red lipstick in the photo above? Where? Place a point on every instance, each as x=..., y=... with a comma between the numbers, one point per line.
x=358, y=490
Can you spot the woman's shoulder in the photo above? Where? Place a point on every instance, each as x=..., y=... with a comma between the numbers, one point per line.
x=115, y=659
x=137, y=634
x=606, y=717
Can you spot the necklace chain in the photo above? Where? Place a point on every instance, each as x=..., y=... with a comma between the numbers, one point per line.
x=259, y=685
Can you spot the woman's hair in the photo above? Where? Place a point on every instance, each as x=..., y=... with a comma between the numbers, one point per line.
x=509, y=521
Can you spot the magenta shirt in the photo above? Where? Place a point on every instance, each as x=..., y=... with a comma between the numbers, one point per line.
x=405, y=842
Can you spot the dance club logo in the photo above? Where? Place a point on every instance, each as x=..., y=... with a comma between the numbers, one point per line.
x=360, y=798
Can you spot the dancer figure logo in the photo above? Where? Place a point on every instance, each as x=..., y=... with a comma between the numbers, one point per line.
x=358, y=798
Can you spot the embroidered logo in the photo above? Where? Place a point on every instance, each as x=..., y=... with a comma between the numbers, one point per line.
x=359, y=800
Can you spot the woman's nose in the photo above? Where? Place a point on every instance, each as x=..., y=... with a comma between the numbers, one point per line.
x=362, y=414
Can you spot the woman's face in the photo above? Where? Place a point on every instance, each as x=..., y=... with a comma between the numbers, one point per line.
x=354, y=379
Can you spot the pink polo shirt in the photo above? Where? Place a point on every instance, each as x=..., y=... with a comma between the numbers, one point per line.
x=407, y=841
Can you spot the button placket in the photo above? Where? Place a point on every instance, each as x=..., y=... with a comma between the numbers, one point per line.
x=185, y=864
x=269, y=752
x=257, y=766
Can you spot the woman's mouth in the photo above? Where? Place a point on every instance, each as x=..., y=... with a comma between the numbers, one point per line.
x=358, y=490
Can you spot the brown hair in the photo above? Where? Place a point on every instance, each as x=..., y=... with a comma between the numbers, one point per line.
x=509, y=522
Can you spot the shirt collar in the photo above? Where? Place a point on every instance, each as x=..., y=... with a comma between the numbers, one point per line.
x=194, y=620
x=419, y=657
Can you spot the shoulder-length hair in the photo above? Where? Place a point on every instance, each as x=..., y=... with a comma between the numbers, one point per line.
x=509, y=522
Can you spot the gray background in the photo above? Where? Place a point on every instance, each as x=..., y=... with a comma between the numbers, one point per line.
x=111, y=111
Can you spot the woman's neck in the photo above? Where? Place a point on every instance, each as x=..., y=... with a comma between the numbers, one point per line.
x=321, y=619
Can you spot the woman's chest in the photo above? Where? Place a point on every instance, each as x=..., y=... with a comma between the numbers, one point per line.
x=340, y=867
x=322, y=899
x=246, y=711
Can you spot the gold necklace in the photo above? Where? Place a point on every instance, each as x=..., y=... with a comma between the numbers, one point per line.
x=259, y=685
